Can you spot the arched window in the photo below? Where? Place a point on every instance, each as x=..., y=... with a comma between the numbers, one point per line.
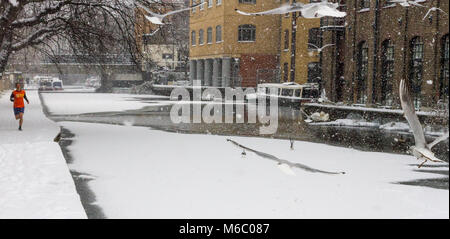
x=362, y=69
x=416, y=69
x=219, y=33
x=209, y=35
x=444, y=69
x=286, y=39
x=387, y=76
x=201, y=39
x=247, y=33
x=193, y=38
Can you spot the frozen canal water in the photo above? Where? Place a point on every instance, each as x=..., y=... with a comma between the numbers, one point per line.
x=158, y=167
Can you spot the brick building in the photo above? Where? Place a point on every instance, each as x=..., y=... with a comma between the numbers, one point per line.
x=229, y=49
x=383, y=43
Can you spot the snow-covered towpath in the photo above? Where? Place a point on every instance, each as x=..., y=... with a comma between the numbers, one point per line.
x=35, y=181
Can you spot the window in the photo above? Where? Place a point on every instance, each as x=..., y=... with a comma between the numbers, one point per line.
x=314, y=72
x=286, y=39
x=210, y=3
x=444, y=69
x=364, y=4
x=247, y=33
x=362, y=69
x=218, y=2
x=166, y=56
x=193, y=38
x=201, y=39
x=248, y=1
x=287, y=92
x=286, y=72
x=209, y=35
x=416, y=69
x=203, y=5
x=219, y=33
x=387, y=75
x=193, y=3
x=314, y=38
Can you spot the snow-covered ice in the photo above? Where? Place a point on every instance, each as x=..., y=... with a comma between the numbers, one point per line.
x=35, y=181
x=81, y=103
x=348, y=122
x=144, y=173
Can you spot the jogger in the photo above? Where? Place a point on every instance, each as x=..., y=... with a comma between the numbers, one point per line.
x=17, y=97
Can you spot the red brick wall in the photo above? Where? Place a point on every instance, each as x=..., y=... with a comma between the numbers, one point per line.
x=249, y=64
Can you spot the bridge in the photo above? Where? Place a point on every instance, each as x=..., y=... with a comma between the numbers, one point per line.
x=118, y=70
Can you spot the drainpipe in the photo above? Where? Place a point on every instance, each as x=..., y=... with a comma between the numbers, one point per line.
x=375, y=51
x=353, y=85
x=405, y=47
x=293, y=43
x=436, y=88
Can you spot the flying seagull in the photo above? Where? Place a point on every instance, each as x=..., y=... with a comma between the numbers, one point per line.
x=309, y=10
x=158, y=18
x=286, y=8
x=320, y=49
x=284, y=165
x=433, y=9
x=407, y=3
x=153, y=32
x=421, y=150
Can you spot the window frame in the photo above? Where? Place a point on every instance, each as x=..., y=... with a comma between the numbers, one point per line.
x=362, y=66
x=219, y=35
x=416, y=69
x=201, y=37
x=388, y=71
x=245, y=29
x=209, y=35
x=193, y=38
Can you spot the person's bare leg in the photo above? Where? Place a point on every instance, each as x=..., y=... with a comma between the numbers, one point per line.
x=17, y=117
x=20, y=121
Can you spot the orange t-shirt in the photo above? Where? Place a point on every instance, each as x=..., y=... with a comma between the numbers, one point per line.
x=18, y=98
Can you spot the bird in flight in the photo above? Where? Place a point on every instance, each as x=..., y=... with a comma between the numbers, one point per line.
x=421, y=150
x=309, y=10
x=286, y=8
x=407, y=3
x=158, y=18
x=284, y=165
x=320, y=49
x=433, y=9
x=153, y=32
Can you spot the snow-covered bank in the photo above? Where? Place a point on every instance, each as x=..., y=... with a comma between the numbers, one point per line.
x=81, y=103
x=35, y=181
x=142, y=173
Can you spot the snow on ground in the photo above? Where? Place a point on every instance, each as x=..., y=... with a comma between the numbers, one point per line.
x=81, y=103
x=395, y=126
x=348, y=122
x=368, y=109
x=144, y=173
x=35, y=181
